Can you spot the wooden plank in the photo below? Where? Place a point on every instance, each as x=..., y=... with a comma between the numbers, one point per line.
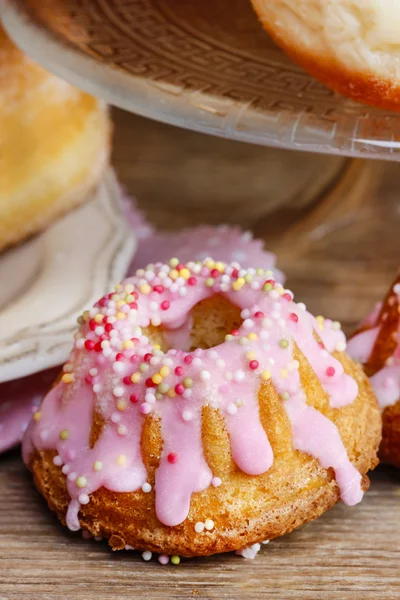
x=183, y=178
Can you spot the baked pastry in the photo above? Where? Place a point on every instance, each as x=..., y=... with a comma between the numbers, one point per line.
x=352, y=46
x=55, y=143
x=376, y=344
x=202, y=411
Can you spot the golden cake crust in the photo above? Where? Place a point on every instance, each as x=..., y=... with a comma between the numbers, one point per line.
x=55, y=144
x=342, y=44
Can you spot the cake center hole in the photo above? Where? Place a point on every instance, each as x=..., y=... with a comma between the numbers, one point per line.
x=207, y=325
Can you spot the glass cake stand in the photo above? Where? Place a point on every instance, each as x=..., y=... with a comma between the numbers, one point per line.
x=207, y=66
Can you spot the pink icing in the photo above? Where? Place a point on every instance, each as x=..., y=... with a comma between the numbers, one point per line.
x=18, y=400
x=386, y=382
x=117, y=370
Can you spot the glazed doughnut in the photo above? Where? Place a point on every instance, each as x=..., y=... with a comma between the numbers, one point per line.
x=54, y=145
x=376, y=344
x=352, y=46
x=202, y=410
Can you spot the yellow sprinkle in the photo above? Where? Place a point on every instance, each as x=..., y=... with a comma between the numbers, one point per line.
x=86, y=315
x=239, y=403
x=220, y=266
x=120, y=316
x=175, y=560
x=145, y=289
x=67, y=378
x=267, y=287
x=120, y=303
x=320, y=319
x=115, y=297
x=174, y=274
x=121, y=404
x=248, y=278
x=238, y=284
x=99, y=318
x=121, y=460
x=284, y=373
x=185, y=273
x=64, y=434
x=164, y=371
x=68, y=368
x=156, y=378
x=156, y=346
x=81, y=481
x=174, y=262
x=129, y=288
x=260, y=272
x=163, y=388
x=252, y=337
x=129, y=298
x=265, y=375
x=37, y=416
x=228, y=337
x=98, y=465
x=136, y=377
x=171, y=393
x=128, y=344
x=251, y=355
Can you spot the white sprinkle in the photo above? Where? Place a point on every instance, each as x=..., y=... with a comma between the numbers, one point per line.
x=220, y=363
x=153, y=306
x=65, y=469
x=341, y=347
x=155, y=360
x=93, y=372
x=245, y=313
x=187, y=415
x=156, y=321
x=302, y=306
x=232, y=409
x=146, y=488
x=99, y=330
x=199, y=527
x=147, y=555
x=97, y=388
x=122, y=430
x=265, y=542
x=267, y=323
x=118, y=391
x=72, y=476
x=209, y=524
x=115, y=417
x=238, y=376
x=187, y=394
x=204, y=375
x=83, y=499
x=150, y=398
x=57, y=460
x=182, y=291
x=80, y=343
x=212, y=354
x=118, y=367
x=216, y=481
x=197, y=362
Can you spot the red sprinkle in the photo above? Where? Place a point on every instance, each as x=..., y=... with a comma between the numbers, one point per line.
x=235, y=332
x=134, y=358
x=92, y=324
x=150, y=383
x=133, y=305
x=259, y=315
x=192, y=281
x=287, y=297
x=270, y=281
x=180, y=267
x=320, y=344
x=133, y=398
x=104, y=336
x=159, y=289
x=98, y=347
x=103, y=302
x=254, y=364
x=127, y=380
x=294, y=317
x=119, y=356
x=108, y=327
x=172, y=458
x=88, y=379
x=179, y=389
x=147, y=357
x=235, y=273
x=89, y=345
x=165, y=305
x=188, y=359
x=215, y=273
x=330, y=371
x=179, y=371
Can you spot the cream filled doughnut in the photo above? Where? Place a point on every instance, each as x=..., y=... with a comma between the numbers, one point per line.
x=54, y=145
x=376, y=344
x=202, y=410
x=353, y=46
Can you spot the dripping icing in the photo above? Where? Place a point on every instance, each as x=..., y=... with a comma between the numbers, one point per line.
x=114, y=368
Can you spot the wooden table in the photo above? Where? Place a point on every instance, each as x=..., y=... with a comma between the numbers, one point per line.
x=181, y=178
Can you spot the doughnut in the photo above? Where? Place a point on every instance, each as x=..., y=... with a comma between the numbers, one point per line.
x=352, y=46
x=202, y=411
x=376, y=344
x=54, y=145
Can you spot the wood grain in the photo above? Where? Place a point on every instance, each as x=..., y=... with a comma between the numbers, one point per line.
x=182, y=178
